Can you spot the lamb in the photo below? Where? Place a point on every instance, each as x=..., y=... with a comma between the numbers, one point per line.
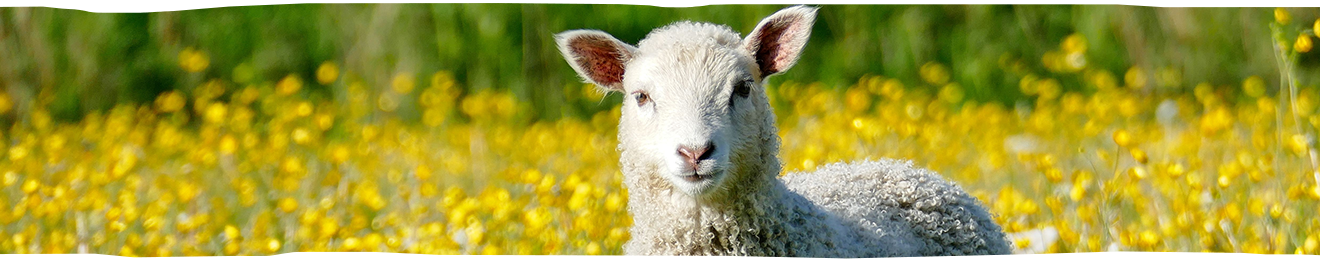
x=698, y=149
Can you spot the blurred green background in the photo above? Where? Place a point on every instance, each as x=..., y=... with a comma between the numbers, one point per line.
x=73, y=62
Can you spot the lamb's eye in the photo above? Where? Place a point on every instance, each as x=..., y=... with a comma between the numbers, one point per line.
x=641, y=97
x=743, y=88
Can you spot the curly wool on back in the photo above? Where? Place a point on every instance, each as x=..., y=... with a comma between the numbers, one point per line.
x=924, y=213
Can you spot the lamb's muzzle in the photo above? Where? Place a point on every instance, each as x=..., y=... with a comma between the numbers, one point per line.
x=692, y=156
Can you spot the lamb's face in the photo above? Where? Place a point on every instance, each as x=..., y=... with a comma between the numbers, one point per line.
x=690, y=104
x=693, y=101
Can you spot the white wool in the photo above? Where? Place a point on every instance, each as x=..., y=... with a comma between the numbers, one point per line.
x=680, y=86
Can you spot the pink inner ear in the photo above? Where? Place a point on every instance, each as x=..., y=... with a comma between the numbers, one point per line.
x=776, y=44
x=766, y=55
x=601, y=59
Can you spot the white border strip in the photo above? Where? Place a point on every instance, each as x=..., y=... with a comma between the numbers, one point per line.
x=139, y=6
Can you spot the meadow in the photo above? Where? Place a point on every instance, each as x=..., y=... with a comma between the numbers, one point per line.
x=214, y=141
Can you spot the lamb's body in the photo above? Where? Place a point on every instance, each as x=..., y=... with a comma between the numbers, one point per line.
x=912, y=211
x=864, y=209
x=695, y=87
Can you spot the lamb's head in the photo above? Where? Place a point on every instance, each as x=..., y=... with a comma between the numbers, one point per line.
x=694, y=108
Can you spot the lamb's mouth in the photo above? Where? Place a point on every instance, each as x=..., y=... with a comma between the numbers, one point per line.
x=697, y=177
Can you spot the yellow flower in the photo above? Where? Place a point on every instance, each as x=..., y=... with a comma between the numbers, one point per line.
x=291, y=165
x=288, y=205
x=170, y=101
x=1054, y=175
x=1048, y=88
x=952, y=93
x=1102, y=79
x=17, y=153
x=1135, y=78
x=422, y=172
x=228, y=144
x=231, y=232
x=443, y=82
x=1175, y=170
x=328, y=227
x=5, y=103
x=403, y=83
x=1315, y=29
x=1311, y=244
x=1276, y=210
x=372, y=241
x=490, y=250
x=216, y=113
x=325, y=120
x=303, y=109
x=1149, y=238
x=1138, y=172
x=892, y=89
x=31, y=186
x=433, y=117
x=339, y=154
x=327, y=73
x=1122, y=138
x=301, y=135
x=289, y=85
x=504, y=105
x=192, y=60
x=1075, y=43
x=476, y=232
x=9, y=178
x=537, y=218
x=351, y=244
x=934, y=73
x=1078, y=191
x=246, y=95
x=272, y=245
x=429, y=190
x=1303, y=43
x=433, y=229
x=1281, y=16
x=1254, y=86
x=127, y=160
x=1216, y=120
x=593, y=248
x=614, y=202
x=1298, y=144
x=1139, y=155
x=387, y=102
x=857, y=99
x=186, y=191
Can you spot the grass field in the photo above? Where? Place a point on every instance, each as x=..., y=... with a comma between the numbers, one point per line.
x=245, y=156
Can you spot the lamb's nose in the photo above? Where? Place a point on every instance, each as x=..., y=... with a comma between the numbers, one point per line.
x=693, y=155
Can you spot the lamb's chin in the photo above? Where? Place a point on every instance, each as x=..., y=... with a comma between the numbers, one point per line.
x=697, y=184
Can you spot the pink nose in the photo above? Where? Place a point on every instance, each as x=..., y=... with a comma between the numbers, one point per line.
x=693, y=155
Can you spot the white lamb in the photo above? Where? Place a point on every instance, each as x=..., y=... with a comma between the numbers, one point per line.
x=699, y=156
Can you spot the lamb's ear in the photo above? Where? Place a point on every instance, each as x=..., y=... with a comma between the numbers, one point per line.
x=596, y=56
x=778, y=40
